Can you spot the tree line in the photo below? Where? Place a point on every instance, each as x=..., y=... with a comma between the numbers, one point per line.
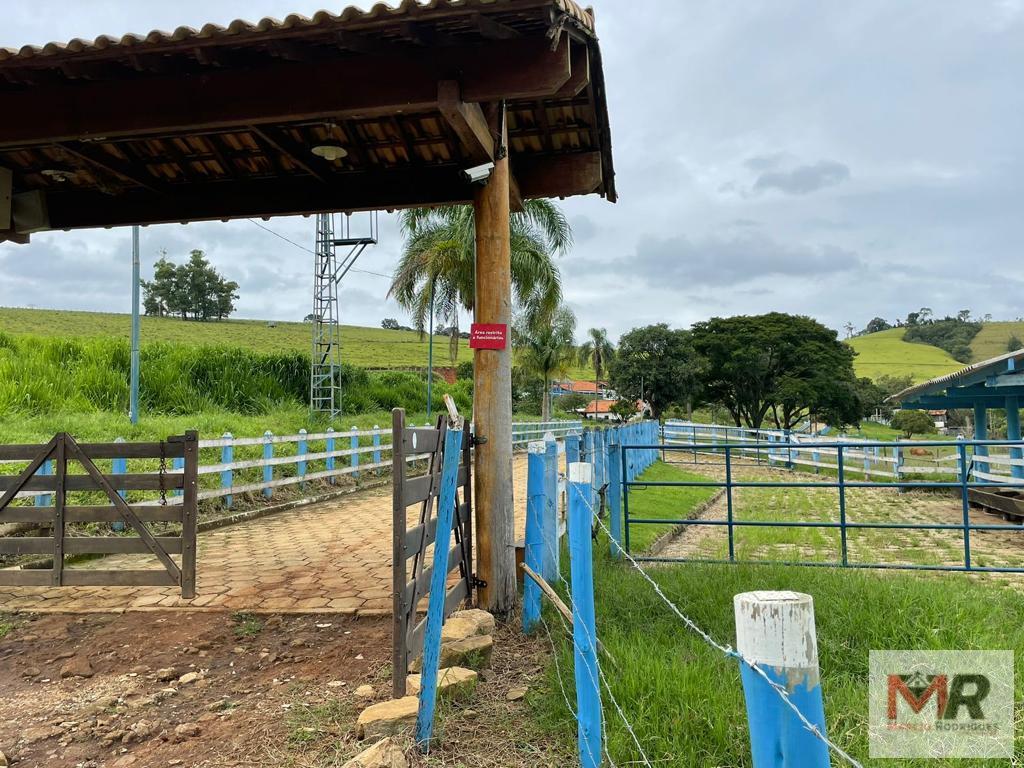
x=192, y=291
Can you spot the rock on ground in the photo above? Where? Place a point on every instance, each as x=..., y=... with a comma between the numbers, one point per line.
x=453, y=683
x=386, y=753
x=388, y=718
x=471, y=652
x=76, y=666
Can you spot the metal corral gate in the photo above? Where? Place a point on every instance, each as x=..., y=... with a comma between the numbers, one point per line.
x=849, y=462
x=412, y=585
x=64, y=451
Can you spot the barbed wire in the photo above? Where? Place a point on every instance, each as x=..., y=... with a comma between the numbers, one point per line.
x=780, y=690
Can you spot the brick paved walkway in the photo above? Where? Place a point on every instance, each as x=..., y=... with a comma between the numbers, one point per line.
x=333, y=557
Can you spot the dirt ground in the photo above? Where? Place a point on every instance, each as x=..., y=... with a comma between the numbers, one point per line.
x=207, y=690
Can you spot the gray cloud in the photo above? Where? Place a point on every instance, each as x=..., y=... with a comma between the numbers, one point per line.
x=803, y=179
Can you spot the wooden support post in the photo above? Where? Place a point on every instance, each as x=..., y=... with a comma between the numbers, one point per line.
x=227, y=476
x=775, y=631
x=535, y=539
x=492, y=393
x=59, y=502
x=438, y=593
x=588, y=688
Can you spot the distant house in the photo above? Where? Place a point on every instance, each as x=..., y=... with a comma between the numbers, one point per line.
x=601, y=410
x=589, y=388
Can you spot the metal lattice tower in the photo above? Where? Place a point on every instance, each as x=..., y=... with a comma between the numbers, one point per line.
x=328, y=271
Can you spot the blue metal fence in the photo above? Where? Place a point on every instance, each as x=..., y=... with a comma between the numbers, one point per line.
x=960, y=481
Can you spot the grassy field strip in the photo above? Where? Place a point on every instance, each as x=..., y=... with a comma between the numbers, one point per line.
x=684, y=699
x=887, y=354
x=993, y=339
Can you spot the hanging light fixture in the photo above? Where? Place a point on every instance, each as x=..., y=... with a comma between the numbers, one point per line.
x=330, y=152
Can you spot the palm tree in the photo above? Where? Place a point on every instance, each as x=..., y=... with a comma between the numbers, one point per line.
x=436, y=271
x=597, y=351
x=546, y=349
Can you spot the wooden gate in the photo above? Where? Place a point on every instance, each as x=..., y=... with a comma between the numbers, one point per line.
x=412, y=579
x=63, y=451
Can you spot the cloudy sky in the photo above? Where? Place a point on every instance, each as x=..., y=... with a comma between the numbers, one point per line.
x=837, y=159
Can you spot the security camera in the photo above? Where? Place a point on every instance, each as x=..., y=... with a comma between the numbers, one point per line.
x=480, y=174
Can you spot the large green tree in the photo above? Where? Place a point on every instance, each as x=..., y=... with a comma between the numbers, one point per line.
x=545, y=350
x=597, y=351
x=191, y=290
x=437, y=267
x=787, y=366
x=657, y=364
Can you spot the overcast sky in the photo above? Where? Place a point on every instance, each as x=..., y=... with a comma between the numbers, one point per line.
x=838, y=159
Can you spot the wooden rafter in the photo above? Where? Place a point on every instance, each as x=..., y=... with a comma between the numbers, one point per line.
x=125, y=169
x=467, y=120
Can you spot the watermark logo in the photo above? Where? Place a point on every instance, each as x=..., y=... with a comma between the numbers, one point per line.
x=939, y=704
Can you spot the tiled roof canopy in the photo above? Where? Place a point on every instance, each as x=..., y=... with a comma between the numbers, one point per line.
x=220, y=122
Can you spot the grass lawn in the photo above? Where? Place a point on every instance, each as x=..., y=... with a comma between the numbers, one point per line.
x=685, y=700
x=668, y=503
x=887, y=354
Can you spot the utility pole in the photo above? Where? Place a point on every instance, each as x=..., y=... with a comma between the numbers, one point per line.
x=133, y=388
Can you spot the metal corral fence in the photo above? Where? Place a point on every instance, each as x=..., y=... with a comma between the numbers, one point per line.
x=993, y=461
x=238, y=465
x=846, y=466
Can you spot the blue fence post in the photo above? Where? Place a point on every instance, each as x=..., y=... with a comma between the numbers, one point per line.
x=120, y=467
x=775, y=631
x=614, y=465
x=533, y=555
x=354, y=444
x=588, y=691
x=179, y=466
x=552, y=546
x=438, y=593
x=376, y=446
x=330, y=449
x=303, y=449
x=45, y=499
x=572, y=449
x=268, y=471
x=227, y=476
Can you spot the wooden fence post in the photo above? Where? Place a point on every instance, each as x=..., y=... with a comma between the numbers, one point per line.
x=330, y=449
x=588, y=691
x=438, y=593
x=190, y=515
x=354, y=444
x=615, y=492
x=572, y=449
x=775, y=631
x=536, y=504
x=302, y=450
x=551, y=557
x=227, y=476
x=268, y=471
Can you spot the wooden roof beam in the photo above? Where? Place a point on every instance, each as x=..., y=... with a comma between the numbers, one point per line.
x=95, y=156
x=303, y=157
x=467, y=120
x=558, y=175
x=6, y=197
x=283, y=92
x=493, y=29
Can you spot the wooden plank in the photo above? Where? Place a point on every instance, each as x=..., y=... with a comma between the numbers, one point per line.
x=139, y=482
x=108, y=514
x=171, y=450
x=94, y=156
x=26, y=545
x=80, y=577
x=508, y=69
x=418, y=586
x=579, y=78
x=417, y=489
x=118, y=545
x=10, y=577
x=415, y=534
x=559, y=175
x=126, y=511
x=399, y=554
x=456, y=596
x=420, y=440
x=190, y=516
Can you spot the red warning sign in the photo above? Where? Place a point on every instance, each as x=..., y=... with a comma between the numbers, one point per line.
x=488, y=336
